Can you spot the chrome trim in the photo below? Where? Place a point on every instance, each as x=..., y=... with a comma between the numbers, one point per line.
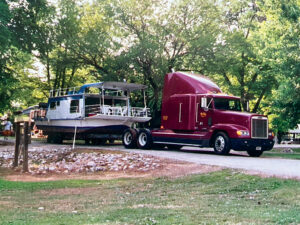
x=197, y=135
x=179, y=119
x=260, y=118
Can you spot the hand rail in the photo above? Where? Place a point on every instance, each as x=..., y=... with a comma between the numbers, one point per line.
x=116, y=110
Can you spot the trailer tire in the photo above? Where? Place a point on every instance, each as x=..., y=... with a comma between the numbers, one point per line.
x=99, y=141
x=221, y=143
x=87, y=141
x=129, y=138
x=55, y=138
x=254, y=153
x=144, y=140
x=49, y=138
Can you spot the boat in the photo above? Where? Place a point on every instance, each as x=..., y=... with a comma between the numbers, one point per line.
x=94, y=112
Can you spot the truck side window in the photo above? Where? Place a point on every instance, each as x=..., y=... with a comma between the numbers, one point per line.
x=227, y=104
x=74, y=106
x=209, y=103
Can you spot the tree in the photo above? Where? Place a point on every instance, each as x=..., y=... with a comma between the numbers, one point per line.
x=161, y=35
x=284, y=26
x=239, y=62
x=6, y=79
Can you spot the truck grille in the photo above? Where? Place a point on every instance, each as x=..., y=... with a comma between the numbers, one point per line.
x=259, y=127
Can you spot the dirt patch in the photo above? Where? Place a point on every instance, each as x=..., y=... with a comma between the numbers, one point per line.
x=176, y=169
x=169, y=168
x=69, y=191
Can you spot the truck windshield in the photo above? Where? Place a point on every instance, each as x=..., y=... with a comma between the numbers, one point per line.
x=227, y=104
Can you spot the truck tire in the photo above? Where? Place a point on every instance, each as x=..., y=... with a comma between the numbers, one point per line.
x=254, y=153
x=221, y=143
x=144, y=140
x=129, y=138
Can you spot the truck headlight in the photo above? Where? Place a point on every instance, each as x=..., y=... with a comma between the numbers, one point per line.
x=242, y=133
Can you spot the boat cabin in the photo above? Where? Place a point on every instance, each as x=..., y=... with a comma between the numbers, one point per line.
x=104, y=98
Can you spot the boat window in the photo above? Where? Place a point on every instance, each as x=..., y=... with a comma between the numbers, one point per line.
x=74, y=106
x=58, y=103
x=52, y=105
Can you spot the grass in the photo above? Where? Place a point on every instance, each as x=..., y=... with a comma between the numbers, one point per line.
x=277, y=153
x=223, y=197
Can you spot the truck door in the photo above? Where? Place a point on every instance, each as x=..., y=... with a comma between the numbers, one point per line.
x=204, y=118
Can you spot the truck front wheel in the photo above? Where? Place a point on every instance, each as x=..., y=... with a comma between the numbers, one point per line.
x=144, y=140
x=221, y=144
x=129, y=138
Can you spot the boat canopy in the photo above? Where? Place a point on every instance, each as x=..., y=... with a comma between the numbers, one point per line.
x=113, y=86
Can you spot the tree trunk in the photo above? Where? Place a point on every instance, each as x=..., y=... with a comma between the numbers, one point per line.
x=259, y=100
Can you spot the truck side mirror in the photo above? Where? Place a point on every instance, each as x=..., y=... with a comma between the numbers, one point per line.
x=203, y=102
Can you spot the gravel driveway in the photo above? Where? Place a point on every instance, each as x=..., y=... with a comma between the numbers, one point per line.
x=284, y=168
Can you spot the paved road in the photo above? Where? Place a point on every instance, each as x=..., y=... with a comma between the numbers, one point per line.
x=286, y=168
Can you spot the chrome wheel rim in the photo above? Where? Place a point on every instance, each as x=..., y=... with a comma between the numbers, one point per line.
x=127, y=138
x=219, y=143
x=143, y=139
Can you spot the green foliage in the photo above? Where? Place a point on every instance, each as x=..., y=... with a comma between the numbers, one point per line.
x=5, y=34
x=286, y=105
x=250, y=48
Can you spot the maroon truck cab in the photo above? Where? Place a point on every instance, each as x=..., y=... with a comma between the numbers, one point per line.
x=195, y=112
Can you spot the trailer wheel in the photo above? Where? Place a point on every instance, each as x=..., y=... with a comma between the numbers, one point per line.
x=144, y=140
x=254, y=153
x=49, y=138
x=221, y=144
x=55, y=138
x=99, y=141
x=129, y=138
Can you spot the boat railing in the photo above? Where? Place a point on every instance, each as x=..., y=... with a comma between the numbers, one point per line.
x=91, y=110
x=140, y=112
x=64, y=91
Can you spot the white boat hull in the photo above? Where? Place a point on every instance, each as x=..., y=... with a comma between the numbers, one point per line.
x=95, y=124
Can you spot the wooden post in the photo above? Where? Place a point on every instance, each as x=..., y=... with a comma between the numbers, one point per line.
x=25, y=150
x=17, y=145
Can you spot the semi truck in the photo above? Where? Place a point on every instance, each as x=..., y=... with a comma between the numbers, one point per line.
x=195, y=112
